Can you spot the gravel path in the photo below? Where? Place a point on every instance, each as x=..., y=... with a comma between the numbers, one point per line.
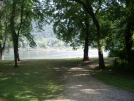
x=81, y=86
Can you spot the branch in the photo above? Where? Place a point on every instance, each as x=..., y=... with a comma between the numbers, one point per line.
x=88, y=9
x=21, y=19
x=98, y=7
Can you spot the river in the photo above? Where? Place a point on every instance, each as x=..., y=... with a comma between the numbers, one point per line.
x=52, y=54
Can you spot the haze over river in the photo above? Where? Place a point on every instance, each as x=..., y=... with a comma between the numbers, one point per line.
x=52, y=54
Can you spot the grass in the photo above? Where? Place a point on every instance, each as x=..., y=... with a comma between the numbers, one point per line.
x=41, y=80
x=34, y=80
x=115, y=78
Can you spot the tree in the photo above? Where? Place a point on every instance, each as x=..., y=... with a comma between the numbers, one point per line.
x=71, y=25
x=88, y=7
x=129, y=29
x=4, y=28
x=122, y=27
x=3, y=41
x=86, y=45
x=22, y=13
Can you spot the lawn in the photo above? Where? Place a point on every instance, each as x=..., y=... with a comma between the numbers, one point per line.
x=34, y=80
x=41, y=80
x=122, y=80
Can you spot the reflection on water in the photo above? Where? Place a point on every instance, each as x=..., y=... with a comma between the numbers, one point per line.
x=51, y=54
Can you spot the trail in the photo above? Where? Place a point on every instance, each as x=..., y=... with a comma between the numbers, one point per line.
x=81, y=86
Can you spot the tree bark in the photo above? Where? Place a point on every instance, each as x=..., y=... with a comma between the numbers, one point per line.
x=2, y=49
x=15, y=55
x=18, y=55
x=86, y=58
x=14, y=35
x=128, y=39
x=100, y=51
x=89, y=10
x=2, y=52
x=2, y=55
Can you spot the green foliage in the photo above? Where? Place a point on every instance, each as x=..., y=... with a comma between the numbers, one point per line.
x=123, y=65
x=68, y=22
x=119, y=14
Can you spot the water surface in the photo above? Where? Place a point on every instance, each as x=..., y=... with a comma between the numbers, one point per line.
x=51, y=54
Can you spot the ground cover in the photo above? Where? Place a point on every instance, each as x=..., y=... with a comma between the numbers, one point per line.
x=117, y=78
x=34, y=80
x=41, y=80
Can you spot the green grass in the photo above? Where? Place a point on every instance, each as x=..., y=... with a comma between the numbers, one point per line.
x=115, y=78
x=41, y=80
x=34, y=80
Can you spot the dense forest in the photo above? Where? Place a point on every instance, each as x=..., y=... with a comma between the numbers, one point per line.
x=103, y=24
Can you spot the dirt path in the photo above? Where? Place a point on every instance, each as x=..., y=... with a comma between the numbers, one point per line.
x=81, y=86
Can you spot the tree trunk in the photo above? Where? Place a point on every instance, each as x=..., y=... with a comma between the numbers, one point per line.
x=100, y=51
x=15, y=55
x=2, y=49
x=129, y=41
x=86, y=58
x=101, y=59
x=14, y=35
x=2, y=53
x=18, y=55
x=90, y=11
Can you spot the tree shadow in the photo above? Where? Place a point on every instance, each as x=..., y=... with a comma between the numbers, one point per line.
x=33, y=80
x=81, y=86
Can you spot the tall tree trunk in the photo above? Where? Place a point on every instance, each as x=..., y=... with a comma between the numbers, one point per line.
x=2, y=51
x=4, y=44
x=2, y=54
x=14, y=35
x=86, y=58
x=90, y=11
x=18, y=55
x=15, y=55
x=100, y=51
x=129, y=41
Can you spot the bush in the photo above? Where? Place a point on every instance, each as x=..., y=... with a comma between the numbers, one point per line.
x=123, y=65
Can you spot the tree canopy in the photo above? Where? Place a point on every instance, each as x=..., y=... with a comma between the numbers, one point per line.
x=104, y=24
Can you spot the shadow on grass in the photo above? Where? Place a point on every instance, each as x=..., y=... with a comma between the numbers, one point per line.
x=115, y=78
x=36, y=80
